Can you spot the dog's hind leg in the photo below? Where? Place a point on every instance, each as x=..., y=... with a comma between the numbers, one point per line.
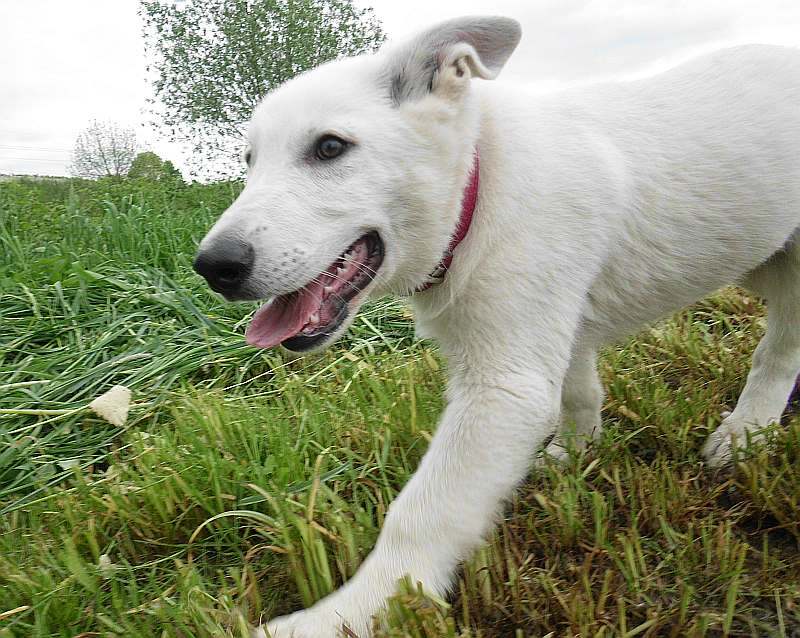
x=776, y=361
x=581, y=401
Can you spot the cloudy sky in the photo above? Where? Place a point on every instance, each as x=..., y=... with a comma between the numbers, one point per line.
x=64, y=63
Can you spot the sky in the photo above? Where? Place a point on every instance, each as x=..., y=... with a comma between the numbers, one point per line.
x=64, y=63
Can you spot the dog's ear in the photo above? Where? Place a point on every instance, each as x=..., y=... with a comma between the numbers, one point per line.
x=446, y=56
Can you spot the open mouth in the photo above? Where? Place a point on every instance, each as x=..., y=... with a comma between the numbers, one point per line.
x=305, y=318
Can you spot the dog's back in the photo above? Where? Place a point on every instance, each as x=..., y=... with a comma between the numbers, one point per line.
x=705, y=161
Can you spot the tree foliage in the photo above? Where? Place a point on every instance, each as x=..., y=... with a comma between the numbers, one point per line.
x=103, y=149
x=211, y=61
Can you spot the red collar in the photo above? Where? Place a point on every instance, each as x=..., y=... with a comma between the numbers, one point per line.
x=468, y=201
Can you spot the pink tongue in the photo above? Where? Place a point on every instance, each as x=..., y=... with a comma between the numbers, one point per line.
x=283, y=317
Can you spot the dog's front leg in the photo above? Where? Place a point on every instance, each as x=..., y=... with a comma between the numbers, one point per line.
x=482, y=450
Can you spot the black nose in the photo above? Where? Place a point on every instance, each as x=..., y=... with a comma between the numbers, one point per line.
x=225, y=264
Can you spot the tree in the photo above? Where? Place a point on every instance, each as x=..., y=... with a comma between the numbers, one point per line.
x=211, y=61
x=103, y=149
x=148, y=165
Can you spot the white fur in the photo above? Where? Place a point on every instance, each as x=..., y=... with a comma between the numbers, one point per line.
x=600, y=210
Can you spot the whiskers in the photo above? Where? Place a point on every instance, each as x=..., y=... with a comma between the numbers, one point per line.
x=317, y=286
x=360, y=267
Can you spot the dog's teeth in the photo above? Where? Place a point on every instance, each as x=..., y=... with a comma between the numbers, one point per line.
x=328, y=289
x=314, y=318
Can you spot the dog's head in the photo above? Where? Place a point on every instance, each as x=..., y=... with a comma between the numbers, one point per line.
x=355, y=174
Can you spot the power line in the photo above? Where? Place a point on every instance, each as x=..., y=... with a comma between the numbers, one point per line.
x=31, y=159
x=36, y=157
x=58, y=149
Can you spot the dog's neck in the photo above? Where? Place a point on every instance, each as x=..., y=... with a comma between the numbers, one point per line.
x=468, y=201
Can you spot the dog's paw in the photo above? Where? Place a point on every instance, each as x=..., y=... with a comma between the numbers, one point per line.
x=560, y=448
x=555, y=451
x=730, y=435
x=717, y=450
x=313, y=623
x=299, y=625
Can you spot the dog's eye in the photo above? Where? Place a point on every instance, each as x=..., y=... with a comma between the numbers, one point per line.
x=248, y=155
x=329, y=147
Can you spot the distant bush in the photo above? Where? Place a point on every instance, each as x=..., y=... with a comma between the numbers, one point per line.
x=148, y=165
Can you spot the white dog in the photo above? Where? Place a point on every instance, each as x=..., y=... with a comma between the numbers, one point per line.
x=571, y=221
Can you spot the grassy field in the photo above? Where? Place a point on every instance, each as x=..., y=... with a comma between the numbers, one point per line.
x=246, y=484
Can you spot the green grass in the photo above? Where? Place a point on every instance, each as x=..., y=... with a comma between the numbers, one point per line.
x=246, y=484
